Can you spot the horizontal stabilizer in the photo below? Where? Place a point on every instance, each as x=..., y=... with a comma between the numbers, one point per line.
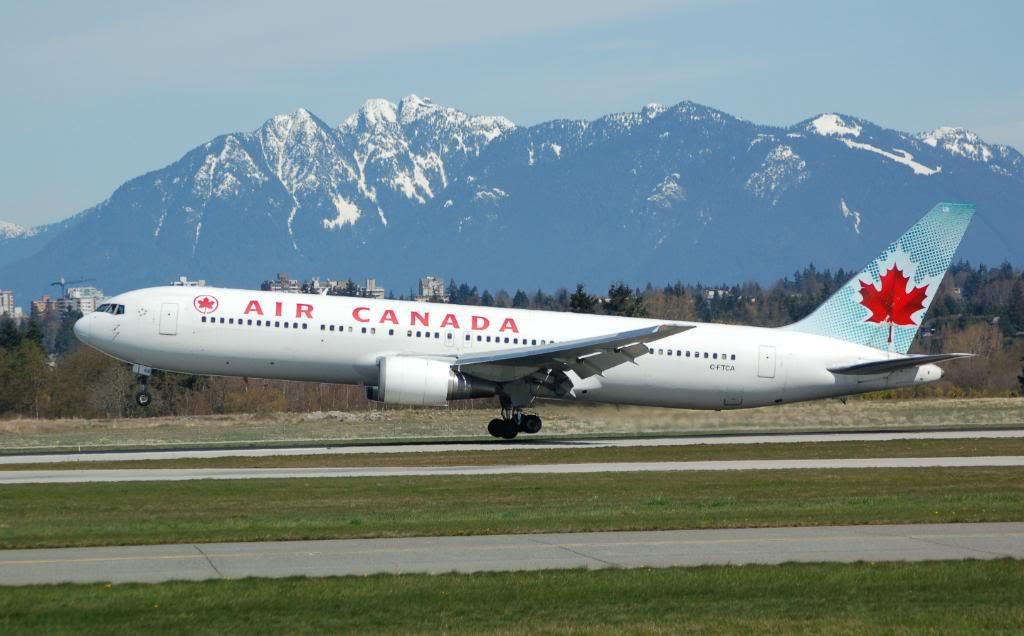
x=895, y=364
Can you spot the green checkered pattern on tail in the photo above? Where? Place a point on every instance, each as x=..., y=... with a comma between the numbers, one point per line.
x=922, y=255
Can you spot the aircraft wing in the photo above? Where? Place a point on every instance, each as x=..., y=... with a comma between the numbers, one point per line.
x=895, y=364
x=586, y=356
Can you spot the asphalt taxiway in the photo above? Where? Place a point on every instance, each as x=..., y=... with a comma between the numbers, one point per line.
x=432, y=555
x=188, y=474
x=495, y=445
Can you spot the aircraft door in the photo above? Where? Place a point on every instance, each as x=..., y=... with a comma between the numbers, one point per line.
x=168, y=319
x=449, y=338
x=766, y=361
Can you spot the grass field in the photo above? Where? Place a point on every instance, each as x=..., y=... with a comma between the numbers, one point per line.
x=523, y=455
x=559, y=420
x=967, y=597
x=54, y=515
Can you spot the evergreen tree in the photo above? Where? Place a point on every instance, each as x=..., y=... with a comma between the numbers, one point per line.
x=35, y=332
x=1013, y=315
x=10, y=337
x=624, y=301
x=520, y=300
x=487, y=300
x=581, y=302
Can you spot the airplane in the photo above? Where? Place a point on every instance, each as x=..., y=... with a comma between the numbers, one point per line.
x=428, y=354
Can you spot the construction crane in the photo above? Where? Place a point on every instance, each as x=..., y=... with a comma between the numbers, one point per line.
x=63, y=284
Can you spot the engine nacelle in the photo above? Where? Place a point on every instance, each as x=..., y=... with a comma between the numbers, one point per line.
x=421, y=382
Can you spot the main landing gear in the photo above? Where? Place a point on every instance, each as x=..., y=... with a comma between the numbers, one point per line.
x=512, y=422
x=142, y=397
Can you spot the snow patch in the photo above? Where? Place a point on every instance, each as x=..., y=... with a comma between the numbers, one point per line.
x=831, y=124
x=903, y=157
x=667, y=192
x=848, y=213
x=11, y=230
x=491, y=195
x=347, y=213
x=958, y=141
x=781, y=170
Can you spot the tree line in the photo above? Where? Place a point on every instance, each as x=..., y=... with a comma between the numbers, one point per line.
x=46, y=372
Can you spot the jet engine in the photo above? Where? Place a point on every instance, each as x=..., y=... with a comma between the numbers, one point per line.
x=422, y=382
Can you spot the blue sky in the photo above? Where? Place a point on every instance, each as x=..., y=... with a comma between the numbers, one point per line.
x=95, y=93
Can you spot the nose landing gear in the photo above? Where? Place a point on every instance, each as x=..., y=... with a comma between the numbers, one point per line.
x=512, y=422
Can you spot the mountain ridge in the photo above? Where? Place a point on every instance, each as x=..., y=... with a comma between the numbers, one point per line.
x=398, y=190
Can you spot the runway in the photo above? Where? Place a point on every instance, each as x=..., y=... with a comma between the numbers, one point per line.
x=432, y=555
x=188, y=474
x=521, y=444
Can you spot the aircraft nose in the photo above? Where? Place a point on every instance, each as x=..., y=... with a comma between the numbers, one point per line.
x=82, y=329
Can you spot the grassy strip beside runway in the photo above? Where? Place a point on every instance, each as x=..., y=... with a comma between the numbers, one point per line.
x=57, y=515
x=966, y=597
x=812, y=450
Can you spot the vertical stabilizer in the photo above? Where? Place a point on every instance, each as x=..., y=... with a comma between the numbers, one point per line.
x=884, y=304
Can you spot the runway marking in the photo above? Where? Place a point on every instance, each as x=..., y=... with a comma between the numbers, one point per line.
x=16, y=477
x=525, y=445
x=516, y=552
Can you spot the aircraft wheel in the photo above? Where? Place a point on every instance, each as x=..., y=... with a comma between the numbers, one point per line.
x=496, y=428
x=142, y=398
x=530, y=424
x=509, y=430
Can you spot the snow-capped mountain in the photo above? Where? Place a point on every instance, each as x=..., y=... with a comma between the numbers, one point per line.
x=10, y=230
x=400, y=190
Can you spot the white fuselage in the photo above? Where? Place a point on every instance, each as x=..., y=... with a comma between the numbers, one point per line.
x=341, y=339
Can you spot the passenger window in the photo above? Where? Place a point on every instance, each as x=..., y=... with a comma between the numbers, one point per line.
x=449, y=336
x=714, y=355
x=661, y=352
x=277, y=323
x=250, y=322
x=409, y=333
x=467, y=337
x=506, y=340
x=222, y=320
x=679, y=354
x=204, y=319
x=534, y=341
x=373, y=331
x=733, y=357
x=488, y=338
x=364, y=329
x=419, y=334
x=687, y=354
x=705, y=354
x=305, y=325
x=543, y=341
x=479, y=338
x=437, y=335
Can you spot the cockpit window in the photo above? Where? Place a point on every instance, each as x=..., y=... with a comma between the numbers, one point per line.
x=110, y=308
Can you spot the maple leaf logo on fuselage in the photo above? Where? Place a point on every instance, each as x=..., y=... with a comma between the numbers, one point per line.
x=893, y=303
x=205, y=304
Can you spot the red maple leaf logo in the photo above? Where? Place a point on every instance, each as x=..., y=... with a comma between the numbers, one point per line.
x=892, y=303
x=205, y=304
